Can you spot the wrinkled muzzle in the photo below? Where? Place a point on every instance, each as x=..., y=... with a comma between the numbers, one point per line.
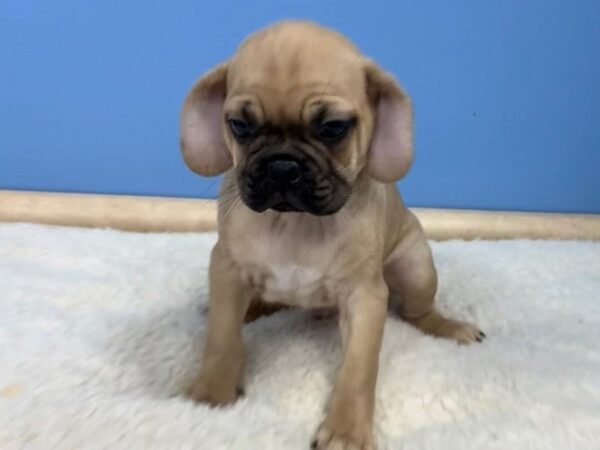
x=290, y=181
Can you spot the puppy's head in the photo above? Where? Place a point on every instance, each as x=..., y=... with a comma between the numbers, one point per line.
x=300, y=115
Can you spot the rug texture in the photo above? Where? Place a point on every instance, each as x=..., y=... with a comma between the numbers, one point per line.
x=100, y=331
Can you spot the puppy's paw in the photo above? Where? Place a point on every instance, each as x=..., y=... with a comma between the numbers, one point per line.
x=214, y=392
x=463, y=332
x=437, y=325
x=337, y=436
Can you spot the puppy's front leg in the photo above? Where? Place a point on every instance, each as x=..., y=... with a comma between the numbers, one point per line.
x=349, y=421
x=220, y=376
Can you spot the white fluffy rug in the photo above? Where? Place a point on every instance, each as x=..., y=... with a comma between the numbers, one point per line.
x=99, y=331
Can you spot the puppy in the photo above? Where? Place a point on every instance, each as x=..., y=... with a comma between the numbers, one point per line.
x=311, y=136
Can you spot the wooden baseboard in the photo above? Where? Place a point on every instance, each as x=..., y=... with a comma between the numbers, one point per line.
x=145, y=214
x=123, y=212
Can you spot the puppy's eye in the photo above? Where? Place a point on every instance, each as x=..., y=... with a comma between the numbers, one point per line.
x=240, y=128
x=334, y=130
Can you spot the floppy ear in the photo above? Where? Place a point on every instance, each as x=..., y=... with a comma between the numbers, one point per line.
x=202, y=143
x=391, y=151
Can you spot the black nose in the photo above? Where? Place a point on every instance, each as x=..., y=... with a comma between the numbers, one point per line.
x=283, y=171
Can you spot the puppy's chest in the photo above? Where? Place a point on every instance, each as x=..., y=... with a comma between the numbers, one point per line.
x=289, y=272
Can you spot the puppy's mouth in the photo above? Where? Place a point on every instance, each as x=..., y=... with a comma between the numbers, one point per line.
x=285, y=207
x=286, y=183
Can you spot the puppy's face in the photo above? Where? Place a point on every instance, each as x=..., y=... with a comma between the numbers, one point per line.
x=294, y=123
x=292, y=153
x=299, y=114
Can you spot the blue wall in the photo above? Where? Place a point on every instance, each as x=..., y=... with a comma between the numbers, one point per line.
x=507, y=92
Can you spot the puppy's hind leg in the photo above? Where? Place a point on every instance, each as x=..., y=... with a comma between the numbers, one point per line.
x=412, y=280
